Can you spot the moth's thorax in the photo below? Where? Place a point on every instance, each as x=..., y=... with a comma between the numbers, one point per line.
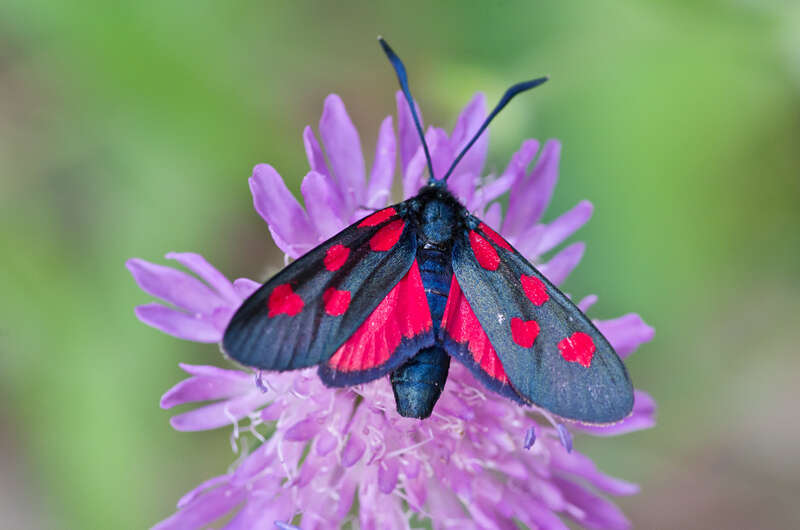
x=439, y=216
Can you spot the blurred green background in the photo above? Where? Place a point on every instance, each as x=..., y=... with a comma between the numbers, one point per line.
x=129, y=129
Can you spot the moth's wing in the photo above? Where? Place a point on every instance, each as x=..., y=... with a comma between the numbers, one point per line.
x=393, y=332
x=551, y=353
x=308, y=311
x=463, y=338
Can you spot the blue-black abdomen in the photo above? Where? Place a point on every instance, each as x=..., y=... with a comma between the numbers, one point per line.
x=418, y=384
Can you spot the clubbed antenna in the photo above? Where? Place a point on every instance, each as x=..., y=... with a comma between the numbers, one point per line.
x=401, y=76
x=510, y=93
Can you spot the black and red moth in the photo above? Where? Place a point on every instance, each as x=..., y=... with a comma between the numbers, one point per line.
x=407, y=287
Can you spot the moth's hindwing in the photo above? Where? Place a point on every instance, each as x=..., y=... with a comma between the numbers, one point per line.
x=551, y=353
x=393, y=333
x=304, y=314
x=464, y=338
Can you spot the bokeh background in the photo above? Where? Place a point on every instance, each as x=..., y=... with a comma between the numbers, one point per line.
x=129, y=129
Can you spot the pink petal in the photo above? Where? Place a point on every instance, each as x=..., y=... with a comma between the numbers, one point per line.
x=488, y=487
x=320, y=197
x=347, y=492
x=493, y=216
x=564, y=226
x=406, y=130
x=596, y=512
x=413, y=174
x=487, y=518
x=203, y=509
x=462, y=186
x=218, y=414
x=273, y=411
x=532, y=512
x=244, y=287
x=293, y=250
x=280, y=525
x=200, y=266
x=308, y=471
x=326, y=442
x=412, y=177
x=256, y=462
x=543, y=179
x=528, y=241
x=201, y=488
x=441, y=151
x=587, y=302
x=626, y=333
x=353, y=450
x=379, y=513
x=278, y=207
x=316, y=158
x=206, y=370
x=490, y=189
x=263, y=511
x=515, y=171
x=558, y=268
x=388, y=471
x=206, y=388
x=642, y=417
x=514, y=468
x=340, y=138
x=220, y=317
x=583, y=466
x=302, y=430
x=174, y=286
x=516, y=221
x=380, y=179
x=468, y=123
x=416, y=490
x=448, y=507
x=178, y=324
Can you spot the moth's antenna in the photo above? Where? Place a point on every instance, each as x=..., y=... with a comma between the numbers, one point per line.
x=401, y=76
x=510, y=93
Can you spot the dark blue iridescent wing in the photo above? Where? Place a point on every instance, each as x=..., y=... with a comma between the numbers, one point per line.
x=315, y=309
x=551, y=353
x=463, y=338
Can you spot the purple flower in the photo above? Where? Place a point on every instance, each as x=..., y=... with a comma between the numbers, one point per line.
x=307, y=451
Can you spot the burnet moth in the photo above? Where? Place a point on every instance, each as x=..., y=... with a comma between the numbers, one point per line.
x=408, y=287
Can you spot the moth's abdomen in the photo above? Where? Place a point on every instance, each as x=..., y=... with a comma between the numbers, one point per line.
x=418, y=384
x=436, y=272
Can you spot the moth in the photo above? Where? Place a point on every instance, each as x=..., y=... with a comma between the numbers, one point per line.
x=407, y=288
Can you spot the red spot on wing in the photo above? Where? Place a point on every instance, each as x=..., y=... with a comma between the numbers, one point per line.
x=524, y=332
x=336, y=256
x=535, y=289
x=484, y=251
x=461, y=324
x=387, y=237
x=404, y=313
x=282, y=300
x=378, y=217
x=336, y=301
x=578, y=348
x=494, y=236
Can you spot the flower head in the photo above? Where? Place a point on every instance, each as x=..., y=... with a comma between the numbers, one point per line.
x=480, y=461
